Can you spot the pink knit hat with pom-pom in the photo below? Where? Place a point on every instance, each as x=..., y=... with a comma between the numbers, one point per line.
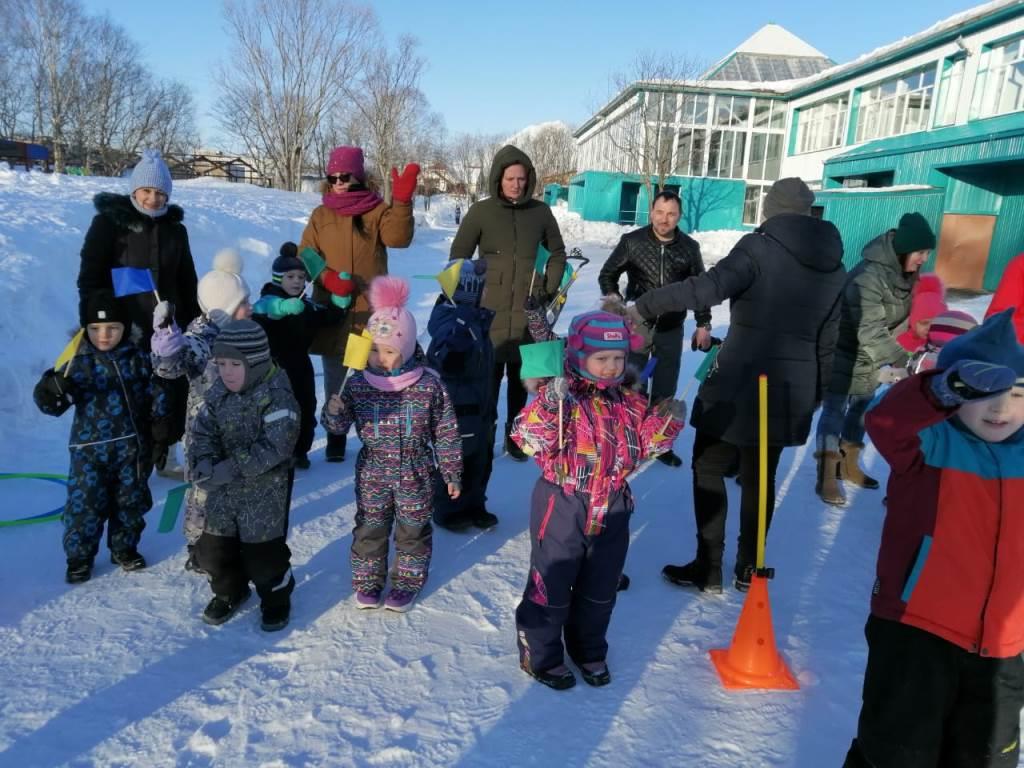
x=391, y=323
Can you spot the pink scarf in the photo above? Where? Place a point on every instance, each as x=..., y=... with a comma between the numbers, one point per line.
x=352, y=203
x=394, y=383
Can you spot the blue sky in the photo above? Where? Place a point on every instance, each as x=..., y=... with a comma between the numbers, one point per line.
x=497, y=67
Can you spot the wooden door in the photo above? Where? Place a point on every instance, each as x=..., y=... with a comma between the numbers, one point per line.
x=964, y=244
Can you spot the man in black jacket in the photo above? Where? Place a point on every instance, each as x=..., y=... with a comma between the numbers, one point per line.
x=652, y=257
x=784, y=281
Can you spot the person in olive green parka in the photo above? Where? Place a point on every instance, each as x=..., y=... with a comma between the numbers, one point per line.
x=506, y=228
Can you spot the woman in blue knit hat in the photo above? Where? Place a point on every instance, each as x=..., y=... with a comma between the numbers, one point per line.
x=143, y=230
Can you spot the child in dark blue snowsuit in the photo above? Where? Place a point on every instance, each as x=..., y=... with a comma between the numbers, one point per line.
x=461, y=351
x=109, y=381
x=291, y=321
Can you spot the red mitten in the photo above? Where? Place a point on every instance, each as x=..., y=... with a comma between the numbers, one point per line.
x=403, y=187
x=339, y=284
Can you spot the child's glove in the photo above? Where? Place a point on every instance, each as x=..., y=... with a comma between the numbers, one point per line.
x=52, y=394
x=890, y=374
x=207, y=473
x=167, y=342
x=403, y=187
x=674, y=408
x=219, y=317
x=968, y=380
x=292, y=306
x=163, y=315
x=557, y=390
x=341, y=302
x=340, y=285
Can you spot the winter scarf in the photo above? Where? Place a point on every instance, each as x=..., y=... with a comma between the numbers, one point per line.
x=352, y=203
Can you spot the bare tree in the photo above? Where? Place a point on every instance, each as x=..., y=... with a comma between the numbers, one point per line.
x=389, y=101
x=552, y=149
x=54, y=34
x=283, y=74
x=640, y=141
x=13, y=83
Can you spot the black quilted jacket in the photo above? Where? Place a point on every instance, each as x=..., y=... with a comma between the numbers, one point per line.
x=649, y=264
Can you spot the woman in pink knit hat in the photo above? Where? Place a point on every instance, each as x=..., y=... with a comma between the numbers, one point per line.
x=351, y=231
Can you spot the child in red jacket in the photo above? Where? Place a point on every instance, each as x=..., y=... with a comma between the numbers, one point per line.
x=581, y=505
x=944, y=683
x=1010, y=294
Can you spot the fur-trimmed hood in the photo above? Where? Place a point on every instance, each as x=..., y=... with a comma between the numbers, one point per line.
x=120, y=211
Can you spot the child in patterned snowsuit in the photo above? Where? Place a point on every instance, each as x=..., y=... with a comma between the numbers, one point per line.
x=944, y=683
x=291, y=321
x=223, y=296
x=109, y=381
x=581, y=505
x=400, y=409
x=241, y=455
x=461, y=351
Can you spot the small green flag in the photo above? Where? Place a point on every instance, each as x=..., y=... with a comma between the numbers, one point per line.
x=171, y=506
x=543, y=359
x=313, y=262
x=540, y=264
x=705, y=365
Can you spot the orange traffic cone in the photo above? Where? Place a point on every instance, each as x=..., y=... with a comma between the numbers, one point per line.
x=752, y=661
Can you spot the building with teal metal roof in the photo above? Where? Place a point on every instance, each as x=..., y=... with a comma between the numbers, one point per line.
x=932, y=123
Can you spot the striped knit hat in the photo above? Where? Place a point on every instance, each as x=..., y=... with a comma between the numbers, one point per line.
x=287, y=261
x=948, y=325
x=594, y=332
x=244, y=340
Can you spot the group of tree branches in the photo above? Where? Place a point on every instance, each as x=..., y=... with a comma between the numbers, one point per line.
x=304, y=76
x=77, y=82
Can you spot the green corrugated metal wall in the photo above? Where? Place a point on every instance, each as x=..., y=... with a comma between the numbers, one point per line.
x=707, y=203
x=861, y=216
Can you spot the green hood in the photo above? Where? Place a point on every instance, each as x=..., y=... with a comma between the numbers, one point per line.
x=503, y=158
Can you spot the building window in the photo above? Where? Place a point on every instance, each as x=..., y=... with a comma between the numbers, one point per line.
x=900, y=105
x=769, y=113
x=695, y=109
x=765, y=156
x=690, y=151
x=822, y=126
x=1001, y=79
x=732, y=110
x=949, y=90
x=753, y=199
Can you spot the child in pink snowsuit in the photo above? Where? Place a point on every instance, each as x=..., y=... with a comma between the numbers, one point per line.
x=581, y=505
x=405, y=419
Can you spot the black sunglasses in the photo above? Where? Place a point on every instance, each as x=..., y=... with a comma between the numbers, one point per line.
x=341, y=178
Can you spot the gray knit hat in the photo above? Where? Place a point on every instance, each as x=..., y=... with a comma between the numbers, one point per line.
x=244, y=340
x=790, y=195
x=151, y=171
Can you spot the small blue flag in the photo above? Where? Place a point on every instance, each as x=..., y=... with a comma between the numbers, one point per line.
x=130, y=280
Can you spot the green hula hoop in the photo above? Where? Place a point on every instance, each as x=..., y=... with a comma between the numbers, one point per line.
x=43, y=517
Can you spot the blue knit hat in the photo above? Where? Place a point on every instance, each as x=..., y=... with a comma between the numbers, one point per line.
x=151, y=171
x=994, y=341
x=472, y=276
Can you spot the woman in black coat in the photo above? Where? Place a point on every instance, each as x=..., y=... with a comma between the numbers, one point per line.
x=784, y=281
x=142, y=230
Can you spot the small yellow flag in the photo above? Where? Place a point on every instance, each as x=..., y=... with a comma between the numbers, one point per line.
x=357, y=352
x=69, y=351
x=449, y=278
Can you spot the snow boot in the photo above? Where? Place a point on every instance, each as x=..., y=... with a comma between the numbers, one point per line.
x=221, y=608
x=849, y=467
x=275, y=617
x=78, y=571
x=399, y=600
x=829, y=487
x=483, y=519
x=743, y=573
x=595, y=674
x=699, y=574
x=302, y=461
x=670, y=459
x=560, y=681
x=335, y=448
x=623, y=584
x=129, y=560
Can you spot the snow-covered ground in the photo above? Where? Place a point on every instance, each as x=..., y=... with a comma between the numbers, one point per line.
x=120, y=671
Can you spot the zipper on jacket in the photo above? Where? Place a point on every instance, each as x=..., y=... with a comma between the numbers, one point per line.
x=376, y=420
x=131, y=416
x=544, y=522
x=995, y=556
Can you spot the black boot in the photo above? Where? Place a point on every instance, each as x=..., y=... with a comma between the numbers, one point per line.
x=78, y=571
x=275, y=617
x=483, y=519
x=335, y=448
x=222, y=608
x=559, y=682
x=698, y=573
x=513, y=450
x=743, y=573
x=670, y=459
x=128, y=559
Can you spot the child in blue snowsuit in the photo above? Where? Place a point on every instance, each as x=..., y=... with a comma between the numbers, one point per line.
x=461, y=351
x=404, y=419
x=109, y=381
x=291, y=321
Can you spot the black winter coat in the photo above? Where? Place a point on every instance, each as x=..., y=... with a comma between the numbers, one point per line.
x=120, y=236
x=650, y=264
x=785, y=283
x=290, y=337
